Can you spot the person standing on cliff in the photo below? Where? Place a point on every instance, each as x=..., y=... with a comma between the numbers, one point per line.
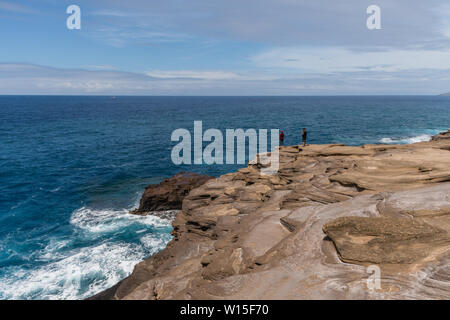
x=281, y=137
x=304, y=134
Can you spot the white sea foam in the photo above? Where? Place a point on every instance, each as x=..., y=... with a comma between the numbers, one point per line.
x=151, y=241
x=407, y=140
x=108, y=220
x=69, y=272
x=79, y=275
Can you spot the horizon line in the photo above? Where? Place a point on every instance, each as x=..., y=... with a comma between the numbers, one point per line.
x=149, y=95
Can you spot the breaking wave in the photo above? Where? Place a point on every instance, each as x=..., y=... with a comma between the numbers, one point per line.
x=105, y=221
x=104, y=248
x=407, y=140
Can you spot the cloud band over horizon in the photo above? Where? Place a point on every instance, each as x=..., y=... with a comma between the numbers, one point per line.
x=264, y=47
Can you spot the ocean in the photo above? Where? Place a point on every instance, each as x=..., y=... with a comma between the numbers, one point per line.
x=72, y=167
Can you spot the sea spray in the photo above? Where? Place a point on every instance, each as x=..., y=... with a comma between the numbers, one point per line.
x=406, y=140
x=81, y=266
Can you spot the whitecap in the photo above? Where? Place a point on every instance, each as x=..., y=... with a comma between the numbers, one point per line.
x=407, y=140
x=70, y=272
x=55, y=190
x=78, y=275
x=108, y=220
x=155, y=243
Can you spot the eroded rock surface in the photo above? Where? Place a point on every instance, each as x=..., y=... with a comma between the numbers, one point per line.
x=385, y=240
x=249, y=236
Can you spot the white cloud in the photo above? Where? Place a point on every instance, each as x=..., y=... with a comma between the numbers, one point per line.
x=196, y=75
x=13, y=7
x=121, y=37
x=35, y=79
x=443, y=12
x=335, y=59
x=282, y=22
x=101, y=67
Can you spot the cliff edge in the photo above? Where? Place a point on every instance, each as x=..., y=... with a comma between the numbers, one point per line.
x=311, y=231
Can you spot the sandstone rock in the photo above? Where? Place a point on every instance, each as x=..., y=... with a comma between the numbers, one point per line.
x=383, y=240
x=225, y=263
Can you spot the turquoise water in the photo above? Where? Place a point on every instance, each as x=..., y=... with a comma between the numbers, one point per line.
x=71, y=168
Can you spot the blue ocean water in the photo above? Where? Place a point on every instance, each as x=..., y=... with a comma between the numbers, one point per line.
x=71, y=168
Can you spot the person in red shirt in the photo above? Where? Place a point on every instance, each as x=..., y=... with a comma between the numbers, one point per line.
x=281, y=137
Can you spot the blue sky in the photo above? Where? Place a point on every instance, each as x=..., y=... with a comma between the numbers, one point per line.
x=227, y=47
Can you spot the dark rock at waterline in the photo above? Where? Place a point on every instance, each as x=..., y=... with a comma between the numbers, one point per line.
x=169, y=194
x=441, y=136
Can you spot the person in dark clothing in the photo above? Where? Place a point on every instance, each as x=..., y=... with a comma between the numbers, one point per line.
x=304, y=134
x=281, y=137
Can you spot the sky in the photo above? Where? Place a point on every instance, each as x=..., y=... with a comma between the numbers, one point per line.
x=226, y=47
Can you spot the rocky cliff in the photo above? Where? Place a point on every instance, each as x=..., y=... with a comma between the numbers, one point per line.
x=169, y=194
x=311, y=231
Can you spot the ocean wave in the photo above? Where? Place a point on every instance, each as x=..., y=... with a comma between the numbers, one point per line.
x=93, y=260
x=79, y=275
x=407, y=140
x=108, y=220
